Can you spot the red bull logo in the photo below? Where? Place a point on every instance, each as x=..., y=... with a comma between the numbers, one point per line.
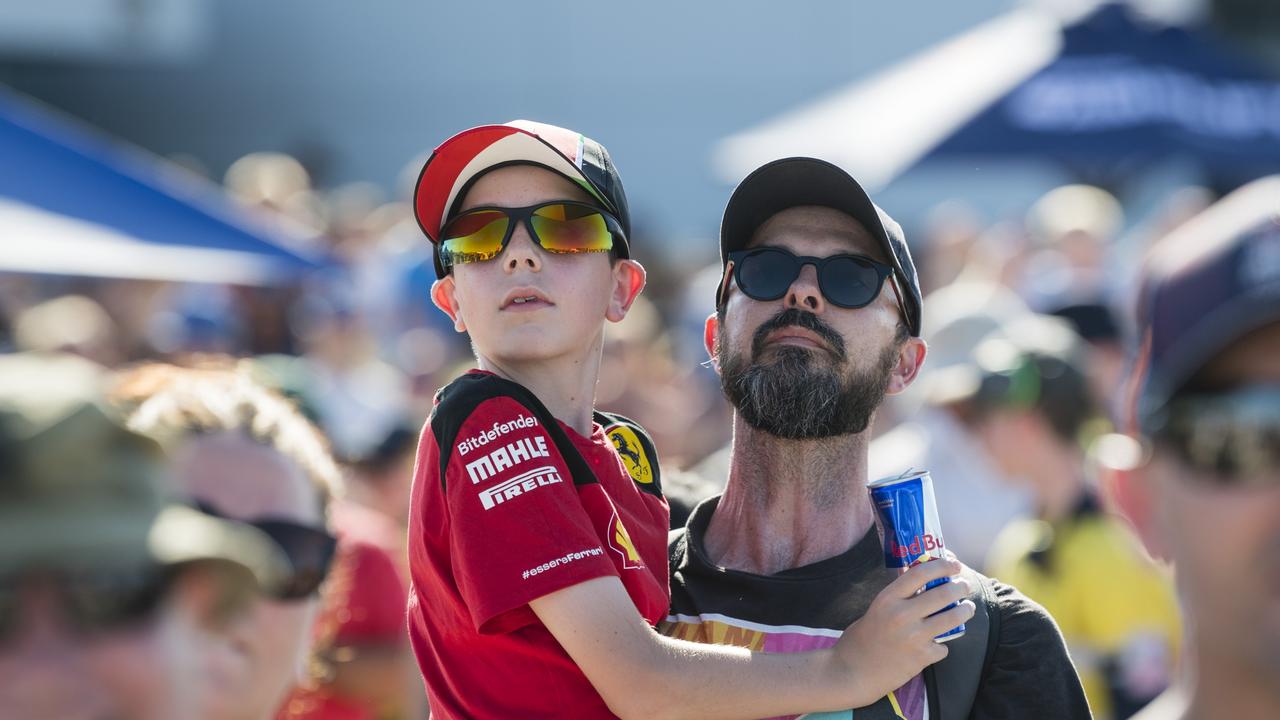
x=915, y=547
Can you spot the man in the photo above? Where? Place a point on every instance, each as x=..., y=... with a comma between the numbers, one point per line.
x=108, y=597
x=818, y=317
x=1032, y=411
x=1208, y=500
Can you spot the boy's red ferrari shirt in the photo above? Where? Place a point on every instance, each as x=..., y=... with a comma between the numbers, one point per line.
x=497, y=520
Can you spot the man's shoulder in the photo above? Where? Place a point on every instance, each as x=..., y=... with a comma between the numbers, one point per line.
x=1028, y=670
x=1012, y=602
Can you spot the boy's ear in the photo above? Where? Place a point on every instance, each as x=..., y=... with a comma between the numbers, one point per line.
x=628, y=280
x=444, y=295
x=711, y=339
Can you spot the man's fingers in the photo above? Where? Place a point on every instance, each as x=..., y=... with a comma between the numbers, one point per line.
x=915, y=578
x=934, y=599
x=946, y=620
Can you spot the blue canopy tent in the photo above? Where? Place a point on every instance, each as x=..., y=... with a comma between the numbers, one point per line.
x=1102, y=93
x=1121, y=94
x=73, y=202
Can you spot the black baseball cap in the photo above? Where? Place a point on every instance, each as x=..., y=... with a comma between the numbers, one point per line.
x=1210, y=282
x=462, y=159
x=796, y=181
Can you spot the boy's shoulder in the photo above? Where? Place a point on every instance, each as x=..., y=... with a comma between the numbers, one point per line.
x=457, y=402
x=460, y=397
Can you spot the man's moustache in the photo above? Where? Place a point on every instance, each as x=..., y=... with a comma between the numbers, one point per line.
x=798, y=318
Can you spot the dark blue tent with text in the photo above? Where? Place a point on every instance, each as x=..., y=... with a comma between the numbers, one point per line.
x=1122, y=94
x=1104, y=93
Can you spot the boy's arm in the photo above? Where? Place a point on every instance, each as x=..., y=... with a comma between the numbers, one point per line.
x=641, y=674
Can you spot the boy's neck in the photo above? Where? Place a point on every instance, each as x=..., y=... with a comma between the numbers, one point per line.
x=566, y=385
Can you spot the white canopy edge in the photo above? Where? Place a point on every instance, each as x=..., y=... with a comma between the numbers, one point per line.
x=33, y=240
x=877, y=128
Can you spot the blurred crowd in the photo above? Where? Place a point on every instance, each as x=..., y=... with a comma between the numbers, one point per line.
x=296, y=411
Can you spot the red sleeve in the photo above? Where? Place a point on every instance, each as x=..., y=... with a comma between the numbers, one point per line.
x=518, y=530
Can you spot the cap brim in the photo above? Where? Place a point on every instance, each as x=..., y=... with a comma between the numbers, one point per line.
x=66, y=535
x=1202, y=341
x=181, y=534
x=794, y=182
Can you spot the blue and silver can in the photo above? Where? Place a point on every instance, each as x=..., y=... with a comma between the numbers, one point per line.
x=908, y=517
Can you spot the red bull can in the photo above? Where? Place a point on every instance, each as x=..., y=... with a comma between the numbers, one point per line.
x=908, y=517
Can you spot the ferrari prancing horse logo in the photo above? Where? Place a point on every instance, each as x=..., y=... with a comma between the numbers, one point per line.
x=634, y=458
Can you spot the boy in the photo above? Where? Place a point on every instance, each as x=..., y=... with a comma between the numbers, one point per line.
x=537, y=555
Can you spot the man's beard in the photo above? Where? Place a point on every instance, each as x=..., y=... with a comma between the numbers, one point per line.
x=797, y=394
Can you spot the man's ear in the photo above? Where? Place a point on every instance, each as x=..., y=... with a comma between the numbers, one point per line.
x=444, y=295
x=910, y=358
x=1133, y=493
x=711, y=339
x=628, y=280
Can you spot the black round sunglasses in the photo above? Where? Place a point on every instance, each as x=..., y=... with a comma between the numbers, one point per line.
x=846, y=280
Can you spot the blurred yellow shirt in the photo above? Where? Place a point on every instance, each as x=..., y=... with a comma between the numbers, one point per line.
x=1117, y=610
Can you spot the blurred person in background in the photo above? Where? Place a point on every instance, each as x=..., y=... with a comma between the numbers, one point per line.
x=1096, y=323
x=974, y=499
x=1207, y=497
x=1071, y=232
x=70, y=323
x=242, y=452
x=111, y=598
x=952, y=229
x=363, y=668
x=356, y=396
x=1032, y=410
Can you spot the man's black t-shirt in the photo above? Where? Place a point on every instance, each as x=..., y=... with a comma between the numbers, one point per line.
x=1028, y=675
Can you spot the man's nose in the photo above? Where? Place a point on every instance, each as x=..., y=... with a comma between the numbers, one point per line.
x=805, y=293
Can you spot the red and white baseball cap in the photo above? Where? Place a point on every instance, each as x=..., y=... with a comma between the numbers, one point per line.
x=463, y=158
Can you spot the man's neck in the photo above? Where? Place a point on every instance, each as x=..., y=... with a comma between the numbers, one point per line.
x=1228, y=687
x=789, y=503
x=565, y=384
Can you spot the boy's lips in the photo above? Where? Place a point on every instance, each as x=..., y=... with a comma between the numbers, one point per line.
x=525, y=298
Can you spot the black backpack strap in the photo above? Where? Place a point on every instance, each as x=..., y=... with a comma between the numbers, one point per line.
x=953, y=682
x=456, y=402
x=635, y=447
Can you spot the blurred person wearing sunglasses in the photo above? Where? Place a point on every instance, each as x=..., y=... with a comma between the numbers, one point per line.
x=1208, y=405
x=1029, y=404
x=109, y=593
x=817, y=319
x=537, y=536
x=242, y=452
x=363, y=667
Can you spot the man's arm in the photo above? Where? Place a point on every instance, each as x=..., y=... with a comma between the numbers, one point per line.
x=1030, y=673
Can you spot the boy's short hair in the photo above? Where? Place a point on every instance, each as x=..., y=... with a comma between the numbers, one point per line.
x=463, y=158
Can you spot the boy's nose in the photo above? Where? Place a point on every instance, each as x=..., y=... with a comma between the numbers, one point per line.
x=522, y=251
